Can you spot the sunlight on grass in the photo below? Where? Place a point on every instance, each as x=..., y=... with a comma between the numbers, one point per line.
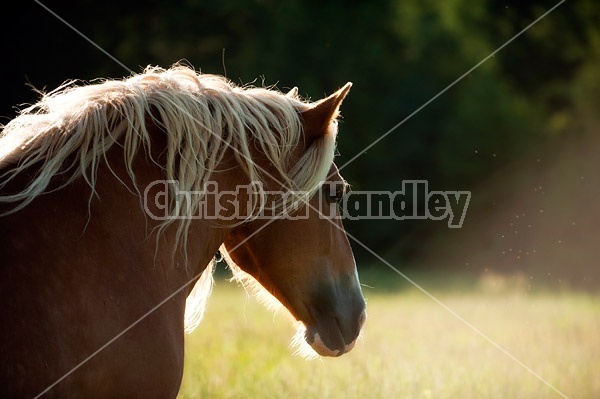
x=412, y=348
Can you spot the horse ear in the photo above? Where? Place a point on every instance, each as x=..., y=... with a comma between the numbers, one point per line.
x=317, y=118
x=292, y=93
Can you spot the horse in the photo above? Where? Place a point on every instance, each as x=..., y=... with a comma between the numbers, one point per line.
x=115, y=196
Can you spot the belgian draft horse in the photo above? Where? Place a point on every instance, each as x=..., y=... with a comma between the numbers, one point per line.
x=102, y=269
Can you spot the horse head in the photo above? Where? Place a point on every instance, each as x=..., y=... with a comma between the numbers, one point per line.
x=306, y=262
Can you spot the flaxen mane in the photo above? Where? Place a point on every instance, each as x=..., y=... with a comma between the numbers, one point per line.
x=70, y=130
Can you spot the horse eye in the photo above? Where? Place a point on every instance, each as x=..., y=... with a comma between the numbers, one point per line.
x=337, y=195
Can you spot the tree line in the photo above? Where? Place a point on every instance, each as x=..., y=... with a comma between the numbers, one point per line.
x=543, y=85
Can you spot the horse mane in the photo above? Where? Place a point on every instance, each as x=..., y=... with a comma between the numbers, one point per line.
x=69, y=131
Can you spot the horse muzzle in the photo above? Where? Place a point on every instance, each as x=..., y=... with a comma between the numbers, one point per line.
x=334, y=335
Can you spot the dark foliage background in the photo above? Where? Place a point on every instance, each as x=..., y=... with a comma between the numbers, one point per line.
x=543, y=87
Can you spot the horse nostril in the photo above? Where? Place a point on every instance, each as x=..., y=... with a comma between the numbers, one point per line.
x=362, y=319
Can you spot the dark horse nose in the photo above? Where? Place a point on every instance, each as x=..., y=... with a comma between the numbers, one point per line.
x=362, y=319
x=352, y=324
x=361, y=322
x=339, y=316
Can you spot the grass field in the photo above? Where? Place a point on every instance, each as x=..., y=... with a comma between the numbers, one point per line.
x=412, y=347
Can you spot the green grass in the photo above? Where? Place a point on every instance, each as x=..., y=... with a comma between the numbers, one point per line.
x=412, y=347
